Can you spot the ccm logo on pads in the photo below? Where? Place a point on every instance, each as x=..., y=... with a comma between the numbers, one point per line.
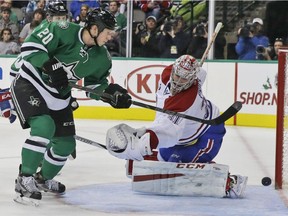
x=190, y=165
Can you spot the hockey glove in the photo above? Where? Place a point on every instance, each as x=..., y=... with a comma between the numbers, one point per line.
x=56, y=73
x=125, y=142
x=6, y=105
x=119, y=96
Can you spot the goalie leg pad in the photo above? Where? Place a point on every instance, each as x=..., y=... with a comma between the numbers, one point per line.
x=185, y=179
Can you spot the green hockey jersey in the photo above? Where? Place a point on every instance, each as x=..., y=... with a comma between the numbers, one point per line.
x=63, y=41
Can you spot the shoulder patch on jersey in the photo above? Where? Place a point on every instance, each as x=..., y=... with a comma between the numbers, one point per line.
x=63, y=24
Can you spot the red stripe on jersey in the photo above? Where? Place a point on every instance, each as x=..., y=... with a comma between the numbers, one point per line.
x=208, y=148
x=153, y=139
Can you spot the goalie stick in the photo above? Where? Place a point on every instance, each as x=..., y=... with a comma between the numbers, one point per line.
x=216, y=31
x=231, y=111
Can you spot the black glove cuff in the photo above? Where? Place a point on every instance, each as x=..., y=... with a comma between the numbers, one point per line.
x=51, y=65
x=113, y=88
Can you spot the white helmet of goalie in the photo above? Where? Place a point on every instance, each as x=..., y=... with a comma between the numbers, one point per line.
x=184, y=73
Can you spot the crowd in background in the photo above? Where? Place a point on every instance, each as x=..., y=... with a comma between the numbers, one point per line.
x=160, y=34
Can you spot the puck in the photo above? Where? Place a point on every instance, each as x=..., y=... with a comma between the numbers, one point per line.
x=266, y=181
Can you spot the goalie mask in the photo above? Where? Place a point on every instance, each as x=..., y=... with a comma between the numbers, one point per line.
x=184, y=73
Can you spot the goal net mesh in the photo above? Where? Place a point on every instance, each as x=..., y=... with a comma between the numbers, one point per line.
x=281, y=168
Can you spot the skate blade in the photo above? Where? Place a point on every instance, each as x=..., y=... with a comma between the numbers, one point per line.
x=52, y=193
x=26, y=201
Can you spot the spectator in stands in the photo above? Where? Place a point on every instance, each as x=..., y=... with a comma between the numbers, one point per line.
x=7, y=45
x=251, y=42
x=5, y=22
x=198, y=42
x=8, y=4
x=278, y=43
x=80, y=19
x=31, y=6
x=75, y=6
x=120, y=18
x=155, y=8
x=40, y=4
x=173, y=41
x=38, y=16
x=118, y=40
x=146, y=39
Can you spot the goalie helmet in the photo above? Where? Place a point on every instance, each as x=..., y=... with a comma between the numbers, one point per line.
x=184, y=73
x=102, y=18
x=56, y=8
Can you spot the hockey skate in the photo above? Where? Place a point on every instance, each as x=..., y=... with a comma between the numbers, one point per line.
x=51, y=186
x=237, y=185
x=26, y=191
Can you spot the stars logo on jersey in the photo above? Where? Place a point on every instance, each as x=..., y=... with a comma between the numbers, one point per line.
x=69, y=68
x=34, y=101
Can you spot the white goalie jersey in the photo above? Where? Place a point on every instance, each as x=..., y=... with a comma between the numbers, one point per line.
x=173, y=130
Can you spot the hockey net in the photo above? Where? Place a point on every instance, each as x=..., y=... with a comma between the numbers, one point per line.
x=281, y=161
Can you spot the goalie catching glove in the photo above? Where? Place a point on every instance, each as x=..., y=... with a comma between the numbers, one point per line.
x=126, y=142
x=119, y=97
x=6, y=105
x=56, y=73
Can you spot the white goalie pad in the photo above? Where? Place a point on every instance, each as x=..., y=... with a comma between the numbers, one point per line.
x=184, y=179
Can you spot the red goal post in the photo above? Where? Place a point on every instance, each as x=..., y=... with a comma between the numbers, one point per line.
x=281, y=158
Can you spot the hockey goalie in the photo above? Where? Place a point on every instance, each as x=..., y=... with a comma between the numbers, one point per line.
x=174, y=156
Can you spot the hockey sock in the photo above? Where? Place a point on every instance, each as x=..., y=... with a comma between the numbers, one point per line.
x=56, y=156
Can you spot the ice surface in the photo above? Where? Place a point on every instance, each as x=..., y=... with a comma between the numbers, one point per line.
x=97, y=185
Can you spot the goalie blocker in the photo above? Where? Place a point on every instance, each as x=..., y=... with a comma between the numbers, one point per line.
x=186, y=179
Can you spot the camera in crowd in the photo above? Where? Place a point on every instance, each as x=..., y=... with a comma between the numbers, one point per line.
x=168, y=26
x=262, y=52
x=141, y=27
x=138, y=25
x=245, y=31
x=200, y=29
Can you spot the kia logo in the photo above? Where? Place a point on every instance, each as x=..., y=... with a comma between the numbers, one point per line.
x=142, y=83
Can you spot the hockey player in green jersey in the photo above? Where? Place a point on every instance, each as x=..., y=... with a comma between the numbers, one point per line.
x=53, y=55
x=56, y=11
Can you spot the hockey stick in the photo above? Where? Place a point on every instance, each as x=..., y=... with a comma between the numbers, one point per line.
x=231, y=111
x=90, y=142
x=217, y=29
